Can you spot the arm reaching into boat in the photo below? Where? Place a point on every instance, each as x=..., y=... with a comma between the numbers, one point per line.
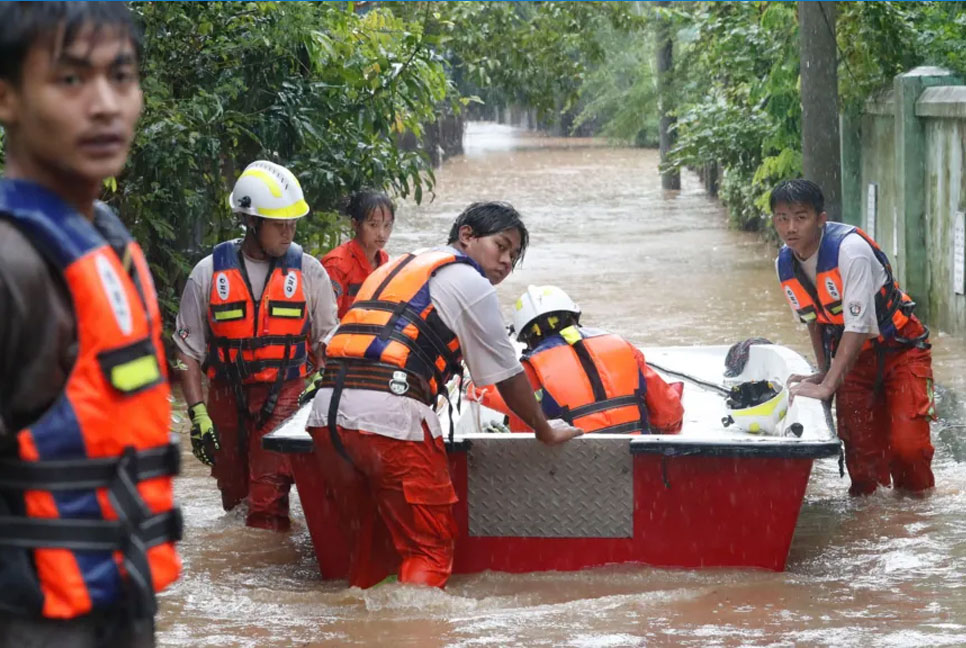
x=824, y=385
x=518, y=394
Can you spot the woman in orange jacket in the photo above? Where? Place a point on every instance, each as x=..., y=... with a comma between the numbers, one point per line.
x=372, y=215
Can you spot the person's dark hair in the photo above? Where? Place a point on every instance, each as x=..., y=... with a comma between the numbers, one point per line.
x=800, y=191
x=365, y=201
x=486, y=218
x=23, y=23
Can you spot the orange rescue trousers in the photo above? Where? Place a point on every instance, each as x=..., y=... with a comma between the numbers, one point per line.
x=886, y=430
x=395, y=501
x=262, y=476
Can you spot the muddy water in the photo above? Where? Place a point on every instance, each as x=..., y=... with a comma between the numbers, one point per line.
x=660, y=268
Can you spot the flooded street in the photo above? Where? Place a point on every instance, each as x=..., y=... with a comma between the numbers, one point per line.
x=660, y=268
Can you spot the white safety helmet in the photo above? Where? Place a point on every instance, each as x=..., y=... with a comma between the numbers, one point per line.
x=764, y=414
x=538, y=301
x=268, y=190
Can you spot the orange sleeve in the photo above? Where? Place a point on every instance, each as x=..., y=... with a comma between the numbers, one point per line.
x=490, y=397
x=664, y=409
x=340, y=281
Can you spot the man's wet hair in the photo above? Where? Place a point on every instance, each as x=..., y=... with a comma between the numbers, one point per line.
x=360, y=204
x=24, y=23
x=487, y=218
x=799, y=191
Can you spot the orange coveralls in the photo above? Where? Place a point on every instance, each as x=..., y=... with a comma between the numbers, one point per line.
x=348, y=267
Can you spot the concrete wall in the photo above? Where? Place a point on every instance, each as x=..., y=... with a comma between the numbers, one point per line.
x=944, y=111
x=878, y=168
x=911, y=145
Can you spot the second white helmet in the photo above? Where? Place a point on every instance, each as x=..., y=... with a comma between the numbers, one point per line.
x=268, y=190
x=538, y=301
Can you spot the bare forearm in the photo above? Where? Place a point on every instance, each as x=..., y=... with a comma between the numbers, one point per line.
x=191, y=379
x=849, y=348
x=518, y=395
x=818, y=346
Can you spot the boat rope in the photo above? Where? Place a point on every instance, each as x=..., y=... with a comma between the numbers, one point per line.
x=696, y=381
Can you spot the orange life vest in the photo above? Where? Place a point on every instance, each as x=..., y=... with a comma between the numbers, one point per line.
x=590, y=379
x=92, y=521
x=348, y=267
x=253, y=342
x=822, y=303
x=393, y=324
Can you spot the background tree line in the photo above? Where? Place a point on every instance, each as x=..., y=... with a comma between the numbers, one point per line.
x=330, y=89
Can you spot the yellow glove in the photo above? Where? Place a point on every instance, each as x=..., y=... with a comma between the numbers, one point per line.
x=312, y=385
x=203, y=434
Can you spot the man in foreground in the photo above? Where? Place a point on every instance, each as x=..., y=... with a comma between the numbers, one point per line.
x=87, y=519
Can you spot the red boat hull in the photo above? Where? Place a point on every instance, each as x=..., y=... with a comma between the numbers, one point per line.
x=689, y=511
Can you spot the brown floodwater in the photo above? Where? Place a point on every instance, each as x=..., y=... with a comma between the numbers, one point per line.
x=659, y=267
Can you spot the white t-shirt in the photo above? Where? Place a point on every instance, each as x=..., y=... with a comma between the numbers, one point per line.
x=191, y=324
x=466, y=303
x=862, y=277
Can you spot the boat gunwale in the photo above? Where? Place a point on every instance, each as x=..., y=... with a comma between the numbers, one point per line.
x=666, y=445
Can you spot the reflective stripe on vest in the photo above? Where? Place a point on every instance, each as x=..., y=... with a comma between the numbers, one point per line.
x=249, y=342
x=822, y=303
x=77, y=466
x=393, y=321
x=592, y=380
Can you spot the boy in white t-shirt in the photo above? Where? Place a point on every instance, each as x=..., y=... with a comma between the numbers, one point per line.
x=873, y=353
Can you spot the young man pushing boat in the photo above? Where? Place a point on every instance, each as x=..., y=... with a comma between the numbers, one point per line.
x=872, y=352
x=377, y=437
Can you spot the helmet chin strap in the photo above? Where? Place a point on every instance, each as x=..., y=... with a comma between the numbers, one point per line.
x=251, y=232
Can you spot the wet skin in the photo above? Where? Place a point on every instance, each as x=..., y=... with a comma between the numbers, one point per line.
x=373, y=233
x=268, y=237
x=70, y=118
x=799, y=226
x=495, y=253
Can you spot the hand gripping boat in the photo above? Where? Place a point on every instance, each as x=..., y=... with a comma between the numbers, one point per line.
x=711, y=496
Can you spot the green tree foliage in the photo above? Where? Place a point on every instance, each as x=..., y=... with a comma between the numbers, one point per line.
x=739, y=95
x=619, y=96
x=534, y=54
x=738, y=100
x=317, y=87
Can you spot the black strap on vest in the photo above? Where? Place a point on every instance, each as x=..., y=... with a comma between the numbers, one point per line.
x=78, y=474
x=87, y=535
x=334, y=410
x=396, y=336
x=601, y=401
x=392, y=274
x=376, y=376
x=135, y=530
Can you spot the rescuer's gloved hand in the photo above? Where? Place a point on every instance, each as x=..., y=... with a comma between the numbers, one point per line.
x=311, y=386
x=203, y=434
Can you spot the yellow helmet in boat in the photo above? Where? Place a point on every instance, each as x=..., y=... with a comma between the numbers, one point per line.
x=757, y=407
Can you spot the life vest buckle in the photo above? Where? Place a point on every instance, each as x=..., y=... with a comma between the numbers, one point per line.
x=399, y=383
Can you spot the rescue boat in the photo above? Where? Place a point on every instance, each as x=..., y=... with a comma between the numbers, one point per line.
x=725, y=492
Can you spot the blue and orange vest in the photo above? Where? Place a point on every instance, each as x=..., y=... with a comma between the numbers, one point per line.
x=90, y=519
x=392, y=335
x=822, y=303
x=348, y=261
x=252, y=342
x=590, y=379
